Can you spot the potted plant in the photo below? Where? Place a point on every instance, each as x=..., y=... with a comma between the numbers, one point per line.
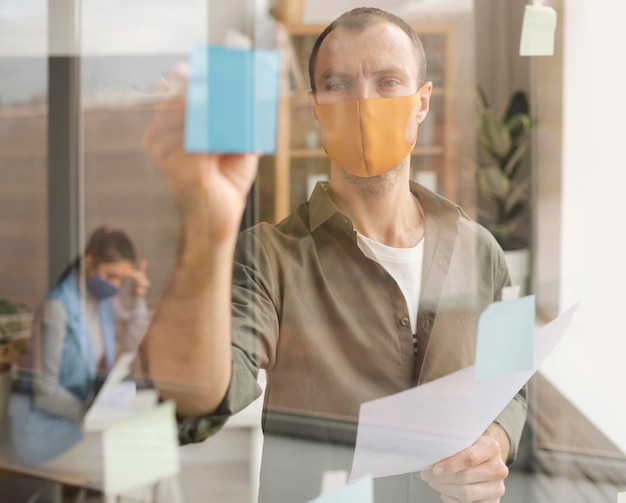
x=503, y=182
x=15, y=321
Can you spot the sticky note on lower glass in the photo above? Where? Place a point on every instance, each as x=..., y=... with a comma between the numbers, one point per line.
x=232, y=100
x=538, y=30
x=140, y=450
x=621, y=498
x=505, y=338
x=360, y=491
x=333, y=480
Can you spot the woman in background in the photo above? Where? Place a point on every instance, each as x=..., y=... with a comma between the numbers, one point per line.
x=77, y=323
x=74, y=341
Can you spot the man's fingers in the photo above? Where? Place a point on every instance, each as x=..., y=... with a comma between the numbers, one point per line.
x=475, y=474
x=484, y=449
x=143, y=264
x=165, y=134
x=490, y=470
x=178, y=76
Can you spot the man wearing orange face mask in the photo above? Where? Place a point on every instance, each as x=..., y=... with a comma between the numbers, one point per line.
x=372, y=286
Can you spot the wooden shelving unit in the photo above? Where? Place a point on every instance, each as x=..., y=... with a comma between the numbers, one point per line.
x=435, y=149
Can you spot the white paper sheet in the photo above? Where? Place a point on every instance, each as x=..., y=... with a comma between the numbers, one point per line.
x=120, y=370
x=412, y=430
x=118, y=399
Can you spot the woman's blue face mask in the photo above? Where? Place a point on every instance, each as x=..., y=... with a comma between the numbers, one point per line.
x=100, y=288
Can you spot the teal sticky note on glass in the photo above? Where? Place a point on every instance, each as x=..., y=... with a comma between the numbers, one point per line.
x=359, y=491
x=232, y=100
x=505, y=338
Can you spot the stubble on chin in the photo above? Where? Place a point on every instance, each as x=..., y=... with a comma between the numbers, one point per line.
x=375, y=186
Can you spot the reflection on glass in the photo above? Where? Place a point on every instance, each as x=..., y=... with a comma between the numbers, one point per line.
x=74, y=344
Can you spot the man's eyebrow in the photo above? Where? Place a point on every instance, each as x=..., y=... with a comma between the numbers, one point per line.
x=388, y=70
x=392, y=70
x=331, y=74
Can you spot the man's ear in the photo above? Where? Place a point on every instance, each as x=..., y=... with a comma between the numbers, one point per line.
x=424, y=101
x=311, y=96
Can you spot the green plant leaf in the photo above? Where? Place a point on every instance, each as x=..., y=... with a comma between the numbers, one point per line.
x=493, y=136
x=513, y=216
x=518, y=104
x=481, y=99
x=492, y=182
x=514, y=158
x=519, y=125
x=501, y=229
x=517, y=196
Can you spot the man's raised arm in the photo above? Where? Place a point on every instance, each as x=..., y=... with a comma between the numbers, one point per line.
x=189, y=337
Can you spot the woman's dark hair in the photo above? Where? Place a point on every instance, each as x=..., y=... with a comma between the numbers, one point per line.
x=360, y=18
x=106, y=245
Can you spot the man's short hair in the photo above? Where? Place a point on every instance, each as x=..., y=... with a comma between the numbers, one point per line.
x=361, y=18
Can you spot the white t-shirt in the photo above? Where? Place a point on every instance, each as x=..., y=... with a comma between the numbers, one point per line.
x=405, y=267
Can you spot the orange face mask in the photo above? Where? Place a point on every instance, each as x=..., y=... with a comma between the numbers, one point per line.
x=368, y=137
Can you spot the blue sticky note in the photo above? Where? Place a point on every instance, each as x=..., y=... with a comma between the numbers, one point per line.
x=360, y=491
x=232, y=100
x=505, y=339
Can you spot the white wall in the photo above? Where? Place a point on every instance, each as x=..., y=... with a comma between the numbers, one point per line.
x=588, y=366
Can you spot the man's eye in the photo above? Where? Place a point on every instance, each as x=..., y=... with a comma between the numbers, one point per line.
x=336, y=86
x=389, y=83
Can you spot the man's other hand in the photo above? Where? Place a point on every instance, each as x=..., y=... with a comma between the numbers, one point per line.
x=475, y=474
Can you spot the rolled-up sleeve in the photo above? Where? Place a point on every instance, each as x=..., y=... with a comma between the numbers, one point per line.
x=512, y=420
x=254, y=338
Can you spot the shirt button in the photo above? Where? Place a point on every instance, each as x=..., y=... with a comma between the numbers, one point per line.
x=405, y=322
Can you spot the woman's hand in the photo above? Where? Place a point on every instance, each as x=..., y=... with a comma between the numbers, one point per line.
x=141, y=283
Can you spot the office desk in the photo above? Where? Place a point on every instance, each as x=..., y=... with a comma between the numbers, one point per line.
x=82, y=464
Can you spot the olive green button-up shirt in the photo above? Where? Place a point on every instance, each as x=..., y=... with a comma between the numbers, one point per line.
x=331, y=327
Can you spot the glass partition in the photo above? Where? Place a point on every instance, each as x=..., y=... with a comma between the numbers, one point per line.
x=92, y=248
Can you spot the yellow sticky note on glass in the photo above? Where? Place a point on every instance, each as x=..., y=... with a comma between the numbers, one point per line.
x=621, y=498
x=538, y=30
x=140, y=450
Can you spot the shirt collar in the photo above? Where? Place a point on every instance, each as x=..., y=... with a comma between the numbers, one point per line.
x=322, y=208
